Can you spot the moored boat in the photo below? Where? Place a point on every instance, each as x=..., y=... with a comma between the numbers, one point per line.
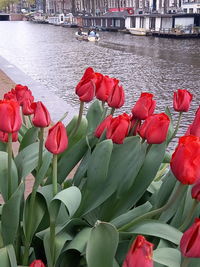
x=138, y=31
x=84, y=37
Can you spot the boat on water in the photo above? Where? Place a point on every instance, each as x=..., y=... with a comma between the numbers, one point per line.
x=84, y=37
x=138, y=31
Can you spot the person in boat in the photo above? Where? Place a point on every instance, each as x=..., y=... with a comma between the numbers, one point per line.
x=80, y=31
x=92, y=33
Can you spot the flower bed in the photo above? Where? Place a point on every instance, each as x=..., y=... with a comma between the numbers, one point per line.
x=129, y=203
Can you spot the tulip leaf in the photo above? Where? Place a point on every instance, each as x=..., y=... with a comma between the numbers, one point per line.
x=71, y=157
x=11, y=216
x=158, y=229
x=102, y=245
x=29, y=138
x=131, y=215
x=171, y=127
x=94, y=115
x=4, y=175
x=70, y=197
x=3, y=146
x=4, y=257
x=96, y=190
x=27, y=160
x=167, y=256
x=12, y=257
x=37, y=214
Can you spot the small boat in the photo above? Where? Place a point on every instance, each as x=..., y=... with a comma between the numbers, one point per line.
x=84, y=37
x=138, y=31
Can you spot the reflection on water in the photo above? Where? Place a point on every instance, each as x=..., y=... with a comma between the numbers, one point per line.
x=54, y=57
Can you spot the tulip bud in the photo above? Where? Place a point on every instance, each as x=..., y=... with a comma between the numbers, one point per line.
x=155, y=128
x=37, y=263
x=41, y=115
x=104, y=87
x=85, y=89
x=196, y=191
x=26, y=107
x=118, y=128
x=4, y=137
x=144, y=107
x=189, y=243
x=104, y=125
x=10, y=119
x=140, y=254
x=182, y=100
x=194, y=128
x=185, y=161
x=116, y=97
x=57, y=140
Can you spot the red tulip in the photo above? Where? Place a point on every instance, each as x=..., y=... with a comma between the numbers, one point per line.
x=37, y=263
x=57, y=140
x=41, y=115
x=194, y=128
x=155, y=128
x=10, y=119
x=189, y=243
x=196, y=191
x=85, y=89
x=140, y=254
x=118, y=128
x=182, y=100
x=4, y=137
x=144, y=107
x=185, y=162
x=26, y=107
x=116, y=97
x=104, y=87
x=11, y=95
x=22, y=93
x=102, y=126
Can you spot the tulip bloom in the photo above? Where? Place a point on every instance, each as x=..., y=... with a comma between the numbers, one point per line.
x=189, y=243
x=196, y=191
x=10, y=119
x=57, y=140
x=194, y=128
x=182, y=100
x=116, y=98
x=22, y=93
x=37, y=263
x=104, y=87
x=85, y=89
x=26, y=107
x=144, y=107
x=118, y=128
x=11, y=95
x=4, y=137
x=104, y=125
x=140, y=254
x=41, y=115
x=185, y=162
x=155, y=128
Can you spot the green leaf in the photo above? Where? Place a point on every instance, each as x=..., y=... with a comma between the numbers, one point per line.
x=3, y=146
x=71, y=156
x=171, y=127
x=131, y=215
x=30, y=137
x=80, y=240
x=70, y=197
x=102, y=245
x=37, y=215
x=168, y=256
x=158, y=229
x=4, y=258
x=12, y=256
x=95, y=190
x=4, y=175
x=27, y=160
x=94, y=115
x=11, y=216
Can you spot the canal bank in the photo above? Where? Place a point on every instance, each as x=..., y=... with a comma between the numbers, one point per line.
x=11, y=75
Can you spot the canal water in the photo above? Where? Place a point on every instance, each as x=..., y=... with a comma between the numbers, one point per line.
x=52, y=56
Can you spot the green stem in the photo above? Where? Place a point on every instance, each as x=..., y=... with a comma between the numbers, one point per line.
x=9, y=165
x=54, y=177
x=52, y=241
x=112, y=111
x=185, y=262
x=41, y=142
x=152, y=213
x=177, y=126
x=189, y=216
x=28, y=237
x=79, y=119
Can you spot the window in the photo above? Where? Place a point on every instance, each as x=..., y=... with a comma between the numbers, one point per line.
x=190, y=10
x=198, y=10
x=185, y=10
x=133, y=22
x=141, y=22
